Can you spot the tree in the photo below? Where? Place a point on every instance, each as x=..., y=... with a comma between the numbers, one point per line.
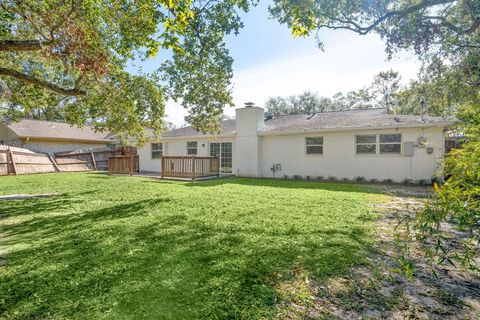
x=384, y=89
x=304, y=103
x=426, y=26
x=445, y=34
x=76, y=52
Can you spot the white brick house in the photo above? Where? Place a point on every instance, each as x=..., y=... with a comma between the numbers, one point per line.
x=349, y=144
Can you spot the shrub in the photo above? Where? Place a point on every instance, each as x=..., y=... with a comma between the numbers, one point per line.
x=373, y=180
x=309, y=177
x=423, y=182
x=285, y=177
x=360, y=179
x=408, y=182
x=345, y=180
x=320, y=178
x=297, y=177
x=456, y=202
x=387, y=181
x=332, y=178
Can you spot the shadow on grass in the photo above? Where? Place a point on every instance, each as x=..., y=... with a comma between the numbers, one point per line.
x=288, y=184
x=142, y=259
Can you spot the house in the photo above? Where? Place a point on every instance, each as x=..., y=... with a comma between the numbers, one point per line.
x=349, y=144
x=50, y=136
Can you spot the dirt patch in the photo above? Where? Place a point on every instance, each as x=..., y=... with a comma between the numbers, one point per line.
x=27, y=196
x=377, y=291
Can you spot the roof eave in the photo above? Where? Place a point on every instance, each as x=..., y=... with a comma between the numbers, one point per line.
x=397, y=126
x=65, y=139
x=210, y=136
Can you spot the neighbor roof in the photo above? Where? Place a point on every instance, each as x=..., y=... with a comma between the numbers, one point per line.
x=324, y=121
x=39, y=129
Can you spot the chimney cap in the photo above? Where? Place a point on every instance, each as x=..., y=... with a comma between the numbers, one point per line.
x=249, y=104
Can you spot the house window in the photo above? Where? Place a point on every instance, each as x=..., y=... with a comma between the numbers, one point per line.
x=192, y=147
x=314, y=145
x=157, y=150
x=390, y=143
x=366, y=144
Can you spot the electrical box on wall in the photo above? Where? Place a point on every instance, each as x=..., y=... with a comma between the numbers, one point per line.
x=408, y=148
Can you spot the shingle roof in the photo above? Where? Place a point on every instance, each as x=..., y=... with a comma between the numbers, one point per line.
x=40, y=129
x=228, y=127
x=373, y=118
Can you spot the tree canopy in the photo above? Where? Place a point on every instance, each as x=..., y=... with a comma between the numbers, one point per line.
x=381, y=93
x=72, y=55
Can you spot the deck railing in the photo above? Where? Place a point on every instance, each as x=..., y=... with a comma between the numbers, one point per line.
x=189, y=167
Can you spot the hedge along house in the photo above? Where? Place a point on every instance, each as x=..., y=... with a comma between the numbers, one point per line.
x=50, y=137
x=370, y=144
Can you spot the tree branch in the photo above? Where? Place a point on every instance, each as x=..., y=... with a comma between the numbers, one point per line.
x=41, y=83
x=22, y=45
x=363, y=30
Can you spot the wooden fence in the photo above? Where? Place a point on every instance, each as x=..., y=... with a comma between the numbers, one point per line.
x=189, y=167
x=17, y=161
x=123, y=164
x=97, y=159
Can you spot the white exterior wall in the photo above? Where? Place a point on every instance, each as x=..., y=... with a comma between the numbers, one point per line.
x=178, y=147
x=340, y=160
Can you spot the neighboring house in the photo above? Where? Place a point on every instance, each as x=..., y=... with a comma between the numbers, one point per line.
x=349, y=144
x=50, y=137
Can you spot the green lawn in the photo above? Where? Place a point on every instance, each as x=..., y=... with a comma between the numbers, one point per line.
x=136, y=248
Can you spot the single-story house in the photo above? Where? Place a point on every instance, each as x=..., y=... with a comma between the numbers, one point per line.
x=50, y=136
x=370, y=144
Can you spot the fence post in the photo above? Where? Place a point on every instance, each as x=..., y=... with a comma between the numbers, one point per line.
x=14, y=166
x=93, y=161
x=131, y=165
x=53, y=162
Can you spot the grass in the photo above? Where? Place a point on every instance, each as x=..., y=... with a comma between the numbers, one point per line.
x=130, y=248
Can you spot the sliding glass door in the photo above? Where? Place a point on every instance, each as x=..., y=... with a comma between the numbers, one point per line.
x=224, y=151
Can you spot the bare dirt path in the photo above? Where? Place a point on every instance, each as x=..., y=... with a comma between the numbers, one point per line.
x=376, y=291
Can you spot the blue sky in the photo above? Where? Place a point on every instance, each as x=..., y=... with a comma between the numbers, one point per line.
x=268, y=61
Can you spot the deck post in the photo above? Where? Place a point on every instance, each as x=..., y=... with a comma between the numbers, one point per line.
x=193, y=168
x=162, y=165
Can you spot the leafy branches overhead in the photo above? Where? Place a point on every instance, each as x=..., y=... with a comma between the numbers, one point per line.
x=420, y=25
x=199, y=74
x=78, y=50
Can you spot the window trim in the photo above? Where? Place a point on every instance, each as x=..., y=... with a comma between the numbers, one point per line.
x=189, y=148
x=156, y=150
x=314, y=145
x=365, y=144
x=377, y=145
x=384, y=143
